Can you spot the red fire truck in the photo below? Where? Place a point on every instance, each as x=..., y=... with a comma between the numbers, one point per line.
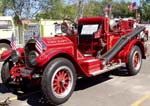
x=97, y=46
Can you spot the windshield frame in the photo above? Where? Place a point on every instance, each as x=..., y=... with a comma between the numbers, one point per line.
x=6, y=24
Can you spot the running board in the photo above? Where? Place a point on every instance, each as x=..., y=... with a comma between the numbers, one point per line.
x=108, y=68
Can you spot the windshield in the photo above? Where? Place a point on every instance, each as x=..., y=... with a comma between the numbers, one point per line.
x=5, y=24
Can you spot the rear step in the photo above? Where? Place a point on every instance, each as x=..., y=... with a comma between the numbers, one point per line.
x=107, y=68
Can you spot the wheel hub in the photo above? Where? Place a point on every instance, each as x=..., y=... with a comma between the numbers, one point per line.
x=136, y=60
x=62, y=82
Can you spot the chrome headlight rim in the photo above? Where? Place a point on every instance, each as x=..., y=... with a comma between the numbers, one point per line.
x=32, y=57
x=64, y=27
x=15, y=55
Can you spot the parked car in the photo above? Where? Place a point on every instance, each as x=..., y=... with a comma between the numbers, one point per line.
x=7, y=28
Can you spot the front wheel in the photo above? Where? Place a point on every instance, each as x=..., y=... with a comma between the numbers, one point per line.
x=58, y=81
x=134, y=61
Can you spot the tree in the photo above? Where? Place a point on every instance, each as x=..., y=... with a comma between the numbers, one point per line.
x=26, y=8
x=56, y=10
x=147, y=1
x=94, y=8
x=145, y=14
x=121, y=10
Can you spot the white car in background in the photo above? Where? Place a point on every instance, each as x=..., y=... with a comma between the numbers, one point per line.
x=7, y=28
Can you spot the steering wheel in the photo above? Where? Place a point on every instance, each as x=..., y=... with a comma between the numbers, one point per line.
x=68, y=26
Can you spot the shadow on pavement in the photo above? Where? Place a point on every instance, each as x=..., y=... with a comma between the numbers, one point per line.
x=3, y=88
x=85, y=83
x=120, y=72
x=35, y=97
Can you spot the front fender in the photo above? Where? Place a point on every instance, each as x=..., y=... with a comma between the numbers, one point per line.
x=8, y=53
x=46, y=56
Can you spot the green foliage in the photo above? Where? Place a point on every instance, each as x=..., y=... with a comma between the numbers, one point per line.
x=69, y=10
x=17, y=20
x=25, y=26
x=58, y=9
x=26, y=8
x=42, y=30
x=91, y=8
x=145, y=12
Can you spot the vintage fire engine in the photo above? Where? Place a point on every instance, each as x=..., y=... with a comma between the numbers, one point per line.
x=97, y=46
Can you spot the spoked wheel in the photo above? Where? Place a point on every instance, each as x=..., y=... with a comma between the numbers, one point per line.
x=134, y=61
x=62, y=82
x=58, y=82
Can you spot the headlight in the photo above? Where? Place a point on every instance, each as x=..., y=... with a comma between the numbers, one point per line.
x=32, y=57
x=15, y=55
x=64, y=27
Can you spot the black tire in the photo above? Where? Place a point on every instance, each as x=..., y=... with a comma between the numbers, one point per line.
x=5, y=75
x=54, y=92
x=106, y=74
x=134, y=61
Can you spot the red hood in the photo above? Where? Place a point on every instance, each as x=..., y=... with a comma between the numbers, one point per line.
x=51, y=42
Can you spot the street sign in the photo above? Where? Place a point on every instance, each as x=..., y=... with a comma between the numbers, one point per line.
x=31, y=31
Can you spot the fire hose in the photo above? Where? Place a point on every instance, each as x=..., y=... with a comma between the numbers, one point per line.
x=120, y=44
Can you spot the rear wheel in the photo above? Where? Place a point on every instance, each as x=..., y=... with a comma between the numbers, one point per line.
x=134, y=61
x=58, y=81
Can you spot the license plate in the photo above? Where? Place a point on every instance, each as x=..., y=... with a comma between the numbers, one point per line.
x=25, y=72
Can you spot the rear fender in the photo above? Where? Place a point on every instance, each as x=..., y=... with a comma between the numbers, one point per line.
x=127, y=49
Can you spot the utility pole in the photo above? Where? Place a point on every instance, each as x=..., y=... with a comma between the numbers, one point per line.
x=80, y=9
x=141, y=2
x=141, y=9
